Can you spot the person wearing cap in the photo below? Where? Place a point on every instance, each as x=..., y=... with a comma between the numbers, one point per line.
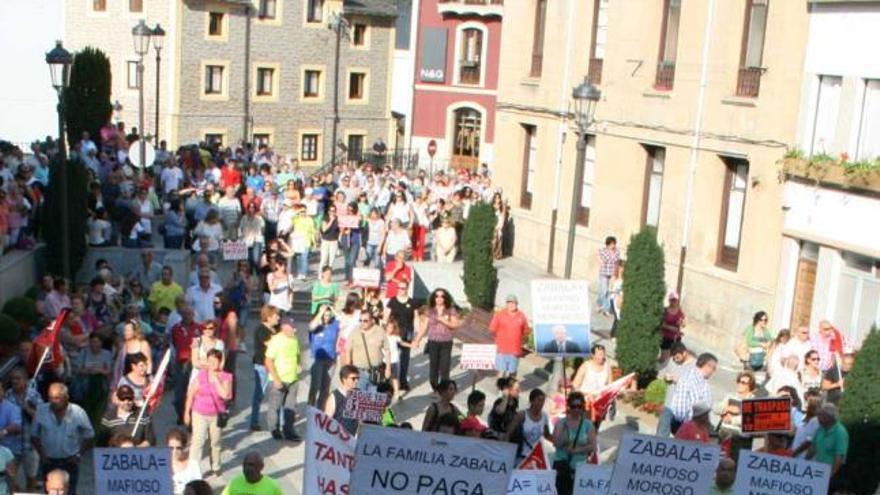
x=697, y=428
x=510, y=327
x=830, y=443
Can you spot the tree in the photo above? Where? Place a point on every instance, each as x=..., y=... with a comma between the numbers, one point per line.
x=480, y=276
x=860, y=414
x=87, y=104
x=644, y=288
x=77, y=215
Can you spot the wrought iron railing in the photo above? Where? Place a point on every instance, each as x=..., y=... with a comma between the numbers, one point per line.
x=748, y=81
x=665, y=77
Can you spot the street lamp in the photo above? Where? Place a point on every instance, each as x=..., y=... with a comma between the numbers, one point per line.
x=585, y=97
x=59, y=61
x=141, y=36
x=158, y=43
x=339, y=25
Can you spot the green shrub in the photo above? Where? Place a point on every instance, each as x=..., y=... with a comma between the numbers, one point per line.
x=655, y=393
x=480, y=275
x=22, y=309
x=860, y=414
x=10, y=330
x=87, y=98
x=33, y=292
x=644, y=287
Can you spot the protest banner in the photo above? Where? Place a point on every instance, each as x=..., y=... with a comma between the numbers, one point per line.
x=478, y=356
x=364, y=406
x=648, y=464
x=141, y=470
x=369, y=278
x=349, y=221
x=329, y=456
x=767, y=415
x=234, y=250
x=592, y=479
x=532, y=482
x=392, y=461
x=759, y=473
x=561, y=317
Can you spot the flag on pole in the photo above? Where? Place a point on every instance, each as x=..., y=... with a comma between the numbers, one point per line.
x=537, y=458
x=49, y=339
x=157, y=386
x=599, y=407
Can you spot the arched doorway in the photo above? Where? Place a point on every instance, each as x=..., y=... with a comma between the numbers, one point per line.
x=466, y=138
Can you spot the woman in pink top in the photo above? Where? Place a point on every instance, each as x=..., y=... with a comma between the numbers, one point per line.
x=438, y=324
x=205, y=401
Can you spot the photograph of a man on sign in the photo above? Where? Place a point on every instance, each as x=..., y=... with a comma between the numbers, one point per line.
x=562, y=340
x=561, y=317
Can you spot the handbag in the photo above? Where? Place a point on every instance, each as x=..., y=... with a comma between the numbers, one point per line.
x=222, y=416
x=376, y=374
x=564, y=470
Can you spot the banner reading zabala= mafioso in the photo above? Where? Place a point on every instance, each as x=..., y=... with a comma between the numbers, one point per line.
x=653, y=465
x=765, y=474
x=390, y=461
x=142, y=470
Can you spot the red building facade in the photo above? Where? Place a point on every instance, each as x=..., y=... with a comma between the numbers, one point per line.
x=456, y=81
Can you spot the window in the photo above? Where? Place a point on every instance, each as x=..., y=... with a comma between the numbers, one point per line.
x=469, y=60
x=733, y=204
x=262, y=139
x=214, y=139
x=314, y=10
x=359, y=35
x=357, y=85
x=135, y=5
x=868, y=137
x=656, y=162
x=268, y=9
x=857, y=306
x=530, y=147
x=265, y=80
x=215, y=24
x=213, y=79
x=402, y=25
x=99, y=5
x=597, y=41
x=824, y=121
x=749, y=76
x=466, y=144
x=312, y=83
x=134, y=80
x=668, y=45
x=309, y=149
x=585, y=195
x=355, y=147
x=538, y=39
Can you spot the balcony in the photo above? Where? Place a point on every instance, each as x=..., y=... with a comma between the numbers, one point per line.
x=481, y=8
x=594, y=73
x=748, y=81
x=469, y=72
x=665, y=77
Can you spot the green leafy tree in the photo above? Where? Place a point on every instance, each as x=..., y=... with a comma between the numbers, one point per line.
x=87, y=104
x=644, y=288
x=860, y=414
x=480, y=276
x=77, y=215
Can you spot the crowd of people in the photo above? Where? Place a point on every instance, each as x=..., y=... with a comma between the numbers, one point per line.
x=293, y=228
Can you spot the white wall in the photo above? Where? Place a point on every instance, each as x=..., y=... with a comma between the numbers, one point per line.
x=28, y=29
x=842, y=40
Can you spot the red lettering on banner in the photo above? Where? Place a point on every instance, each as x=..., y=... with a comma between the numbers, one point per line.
x=328, y=453
x=327, y=424
x=329, y=487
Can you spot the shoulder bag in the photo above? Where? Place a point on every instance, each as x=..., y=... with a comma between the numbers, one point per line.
x=222, y=415
x=376, y=373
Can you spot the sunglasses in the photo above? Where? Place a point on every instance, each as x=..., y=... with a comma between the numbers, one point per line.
x=745, y=382
x=813, y=359
x=126, y=399
x=576, y=405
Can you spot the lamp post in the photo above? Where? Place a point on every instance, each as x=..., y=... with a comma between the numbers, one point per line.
x=59, y=61
x=340, y=26
x=585, y=97
x=158, y=43
x=141, y=36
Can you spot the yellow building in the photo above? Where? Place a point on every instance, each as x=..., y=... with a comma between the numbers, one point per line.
x=699, y=101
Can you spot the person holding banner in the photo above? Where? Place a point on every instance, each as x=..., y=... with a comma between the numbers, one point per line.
x=446, y=391
x=530, y=425
x=348, y=379
x=575, y=440
x=205, y=402
x=123, y=418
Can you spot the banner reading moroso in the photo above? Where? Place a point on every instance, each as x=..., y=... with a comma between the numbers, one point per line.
x=390, y=461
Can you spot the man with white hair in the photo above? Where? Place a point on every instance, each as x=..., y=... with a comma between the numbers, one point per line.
x=57, y=482
x=61, y=433
x=830, y=443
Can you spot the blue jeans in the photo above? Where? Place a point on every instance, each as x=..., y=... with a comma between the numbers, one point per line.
x=254, y=253
x=506, y=363
x=602, y=299
x=302, y=263
x=261, y=380
x=173, y=241
x=351, y=256
x=667, y=425
x=181, y=373
x=372, y=253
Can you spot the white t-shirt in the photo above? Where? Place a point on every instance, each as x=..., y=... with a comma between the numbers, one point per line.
x=394, y=351
x=99, y=231
x=190, y=473
x=171, y=179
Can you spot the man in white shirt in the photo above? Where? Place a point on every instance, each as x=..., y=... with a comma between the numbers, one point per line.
x=798, y=346
x=86, y=144
x=172, y=177
x=201, y=298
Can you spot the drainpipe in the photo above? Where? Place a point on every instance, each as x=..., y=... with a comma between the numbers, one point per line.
x=695, y=146
x=247, y=71
x=563, y=111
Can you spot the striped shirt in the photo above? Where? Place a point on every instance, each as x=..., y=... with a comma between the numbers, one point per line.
x=608, y=259
x=691, y=388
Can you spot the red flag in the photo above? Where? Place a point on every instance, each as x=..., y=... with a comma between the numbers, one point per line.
x=157, y=386
x=607, y=394
x=536, y=459
x=48, y=339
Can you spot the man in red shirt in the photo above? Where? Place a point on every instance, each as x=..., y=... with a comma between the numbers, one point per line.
x=230, y=175
x=182, y=336
x=397, y=271
x=510, y=327
x=696, y=428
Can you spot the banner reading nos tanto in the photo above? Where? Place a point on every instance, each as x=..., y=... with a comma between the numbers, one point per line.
x=396, y=461
x=329, y=456
x=647, y=464
x=141, y=470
